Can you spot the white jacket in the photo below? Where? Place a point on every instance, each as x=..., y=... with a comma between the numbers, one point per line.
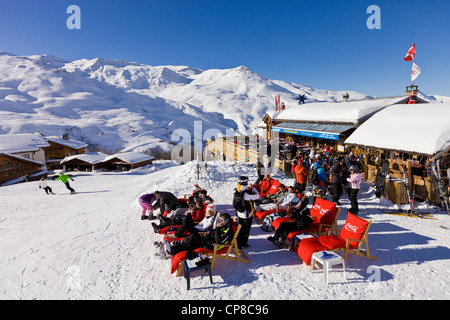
x=207, y=223
x=43, y=184
x=247, y=197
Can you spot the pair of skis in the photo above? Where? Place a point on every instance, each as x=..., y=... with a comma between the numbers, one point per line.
x=380, y=180
x=411, y=212
x=443, y=194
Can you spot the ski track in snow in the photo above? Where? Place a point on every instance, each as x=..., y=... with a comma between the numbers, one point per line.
x=93, y=245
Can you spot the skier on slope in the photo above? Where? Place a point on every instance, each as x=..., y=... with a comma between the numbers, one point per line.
x=43, y=185
x=65, y=179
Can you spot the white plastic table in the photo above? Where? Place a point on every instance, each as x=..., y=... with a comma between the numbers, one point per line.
x=327, y=262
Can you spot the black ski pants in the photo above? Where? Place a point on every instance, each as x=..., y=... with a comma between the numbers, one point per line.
x=244, y=233
x=353, y=197
x=69, y=187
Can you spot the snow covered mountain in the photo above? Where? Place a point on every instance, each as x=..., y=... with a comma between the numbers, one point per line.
x=119, y=105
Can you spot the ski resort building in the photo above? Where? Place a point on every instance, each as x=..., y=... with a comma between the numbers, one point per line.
x=61, y=147
x=14, y=169
x=414, y=135
x=127, y=161
x=22, y=157
x=314, y=124
x=98, y=160
x=84, y=162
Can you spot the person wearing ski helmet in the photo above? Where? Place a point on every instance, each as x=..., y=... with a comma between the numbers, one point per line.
x=245, y=217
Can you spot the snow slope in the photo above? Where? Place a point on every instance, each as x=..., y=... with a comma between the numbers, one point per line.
x=93, y=245
x=129, y=106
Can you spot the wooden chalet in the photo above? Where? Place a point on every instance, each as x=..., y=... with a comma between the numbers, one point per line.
x=127, y=161
x=15, y=169
x=414, y=135
x=22, y=157
x=60, y=148
x=84, y=162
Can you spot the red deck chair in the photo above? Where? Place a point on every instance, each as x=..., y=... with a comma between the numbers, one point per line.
x=350, y=240
x=324, y=214
x=220, y=251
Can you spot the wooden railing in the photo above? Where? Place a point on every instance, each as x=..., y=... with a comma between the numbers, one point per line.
x=227, y=149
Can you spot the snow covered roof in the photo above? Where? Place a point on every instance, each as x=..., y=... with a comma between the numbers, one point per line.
x=130, y=157
x=414, y=128
x=343, y=112
x=92, y=157
x=74, y=144
x=23, y=142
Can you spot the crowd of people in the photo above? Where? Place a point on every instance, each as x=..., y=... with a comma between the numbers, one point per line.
x=327, y=174
x=196, y=221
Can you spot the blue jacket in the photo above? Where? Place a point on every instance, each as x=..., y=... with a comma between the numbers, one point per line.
x=321, y=174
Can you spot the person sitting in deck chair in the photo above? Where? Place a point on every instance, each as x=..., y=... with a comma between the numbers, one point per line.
x=299, y=220
x=222, y=234
x=289, y=199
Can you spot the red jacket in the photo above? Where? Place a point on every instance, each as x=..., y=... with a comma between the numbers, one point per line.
x=198, y=214
x=301, y=173
x=265, y=185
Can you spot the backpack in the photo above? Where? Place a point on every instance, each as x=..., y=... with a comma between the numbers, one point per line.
x=313, y=177
x=267, y=222
x=238, y=201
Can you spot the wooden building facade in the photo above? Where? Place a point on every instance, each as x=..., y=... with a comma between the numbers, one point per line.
x=14, y=167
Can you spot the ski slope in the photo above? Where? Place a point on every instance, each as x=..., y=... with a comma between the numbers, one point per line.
x=93, y=245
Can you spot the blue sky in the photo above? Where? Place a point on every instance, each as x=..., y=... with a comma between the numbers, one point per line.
x=322, y=43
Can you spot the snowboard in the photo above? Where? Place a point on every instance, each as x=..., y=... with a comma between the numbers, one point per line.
x=380, y=180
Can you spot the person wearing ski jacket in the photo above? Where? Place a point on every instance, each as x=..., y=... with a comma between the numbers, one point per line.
x=146, y=202
x=222, y=234
x=337, y=180
x=43, y=185
x=354, y=182
x=322, y=175
x=299, y=220
x=265, y=185
x=65, y=179
x=166, y=202
x=245, y=218
x=301, y=176
x=318, y=189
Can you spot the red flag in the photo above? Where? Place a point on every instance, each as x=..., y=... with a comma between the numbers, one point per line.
x=277, y=102
x=411, y=55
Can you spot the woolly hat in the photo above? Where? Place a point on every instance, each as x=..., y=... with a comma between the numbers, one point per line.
x=211, y=207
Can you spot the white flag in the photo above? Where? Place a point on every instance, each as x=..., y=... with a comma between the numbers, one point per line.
x=415, y=72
